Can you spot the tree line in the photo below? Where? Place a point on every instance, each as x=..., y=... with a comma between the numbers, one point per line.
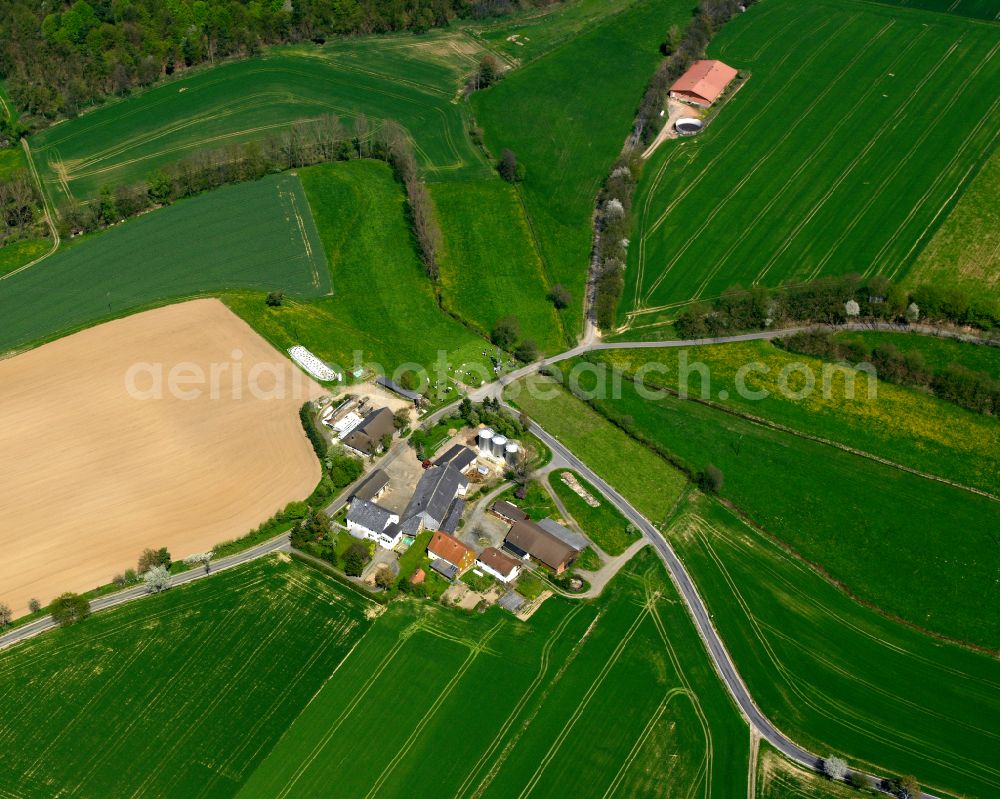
x=974, y=390
x=19, y=208
x=836, y=300
x=57, y=58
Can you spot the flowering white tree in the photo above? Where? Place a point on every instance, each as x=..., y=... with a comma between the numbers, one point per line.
x=835, y=767
x=201, y=557
x=614, y=208
x=157, y=579
x=852, y=308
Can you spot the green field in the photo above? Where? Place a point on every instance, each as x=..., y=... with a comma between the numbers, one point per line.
x=965, y=251
x=801, y=173
x=412, y=79
x=383, y=304
x=881, y=532
x=603, y=525
x=567, y=116
x=979, y=9
x=900, y=424
x=938, y=353
x=596, y=699
x=644, y=479
x=837, y=677
x=489, y=265
x=177, y=695
x=257, y=236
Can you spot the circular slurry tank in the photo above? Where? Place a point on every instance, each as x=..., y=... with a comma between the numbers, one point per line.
x=688, y=126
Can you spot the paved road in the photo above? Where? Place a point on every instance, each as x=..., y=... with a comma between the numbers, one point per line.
x=702, y=618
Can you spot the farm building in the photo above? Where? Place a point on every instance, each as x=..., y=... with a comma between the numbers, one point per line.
x=526, y=539
x=372, y=487
x=458, y=457
x=564, y=534
x=492, y=561
x=450, y=523
x=507, y=511
x=395, y=388
x=368, y=520
x=366, y=438
x=432, y=499
x=449, y=556
x=703, y=83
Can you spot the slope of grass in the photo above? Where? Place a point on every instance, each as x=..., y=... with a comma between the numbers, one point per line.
x=900, y=424
x=603, y=525
x=19, y=253
x=566, y=116
x=250, y=236
x=883, y=533
x=408, y=78
x=965, y=251
x=645, y=479
x=837, y=677
x=489, y=266
x=585, y=699
x=177, y=695
x=383, y=307
x=800, y=173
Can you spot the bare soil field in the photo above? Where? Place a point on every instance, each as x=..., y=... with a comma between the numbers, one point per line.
x=98, y=464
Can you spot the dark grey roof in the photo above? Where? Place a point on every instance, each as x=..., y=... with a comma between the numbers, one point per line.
x=367, y=436
x=575, y=540
x=459, y=457
x=508, y=510
x=444, y=568
x=369, y=515
x=393, y=386
x=376, y=480
x=410, y=526
x=450, y=523
x=432, y=497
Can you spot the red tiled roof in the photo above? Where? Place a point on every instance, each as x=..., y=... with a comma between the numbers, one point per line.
x=705, y=80
x=449, y=548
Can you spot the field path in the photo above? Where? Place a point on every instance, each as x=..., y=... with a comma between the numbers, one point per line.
x=49, y=214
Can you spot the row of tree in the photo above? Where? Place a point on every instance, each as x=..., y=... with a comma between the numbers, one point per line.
x=835, y=300
x=903, y=786
x=974, y=390
x=680, y=51
x=614, y=211
x=59, y=57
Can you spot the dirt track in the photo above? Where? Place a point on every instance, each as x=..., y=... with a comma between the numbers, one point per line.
x=92, y=475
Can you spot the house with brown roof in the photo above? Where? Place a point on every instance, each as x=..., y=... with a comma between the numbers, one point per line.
x=703, y=83
x=452, y=552
x=507, y=511
x=526, y=539
x=366, y=438
x=492, y=561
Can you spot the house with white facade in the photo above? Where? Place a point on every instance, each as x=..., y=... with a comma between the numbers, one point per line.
x=373, y=522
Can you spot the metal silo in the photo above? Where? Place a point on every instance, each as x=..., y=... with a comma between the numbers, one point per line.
x=486, y=441
x=511, y=452
x=499, y=443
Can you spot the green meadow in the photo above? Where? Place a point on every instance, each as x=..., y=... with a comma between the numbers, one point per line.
x=876, y=529
x=836, y=676
x=900, y=424
x=937, y=353
x=799, y=174
x=567, y=116
x=490, y=266
x=411, y=79
x=182, y=694
x=604, y=525
x=644, y=479
x=383, y=306
x=613, y=697
x=253, y=236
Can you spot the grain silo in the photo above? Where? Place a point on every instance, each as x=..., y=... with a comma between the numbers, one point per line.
x=499, y=444
x=511, y=452
x=486, y=441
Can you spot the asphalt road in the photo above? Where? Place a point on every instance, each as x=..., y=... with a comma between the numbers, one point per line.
x=703, y=620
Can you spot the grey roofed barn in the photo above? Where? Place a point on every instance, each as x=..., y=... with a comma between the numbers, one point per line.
x=564, y=534
x=529, y=538
x=458, y=457
x=432, y=497
x=371, y=485
x=395, y=388
x=450, y=523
